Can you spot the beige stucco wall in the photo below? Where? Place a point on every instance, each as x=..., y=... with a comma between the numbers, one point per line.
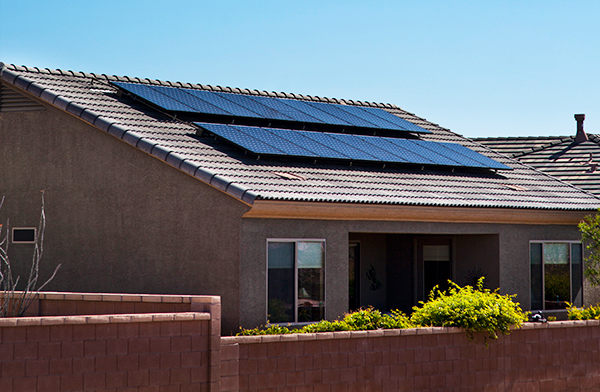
x=118, y=219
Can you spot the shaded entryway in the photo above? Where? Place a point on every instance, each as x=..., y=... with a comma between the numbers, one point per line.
x=396, y=271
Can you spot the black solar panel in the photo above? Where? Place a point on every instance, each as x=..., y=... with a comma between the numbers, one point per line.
x=299, y=143
x=248, y=106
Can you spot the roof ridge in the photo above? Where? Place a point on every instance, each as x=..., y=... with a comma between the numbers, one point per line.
x=197, y=86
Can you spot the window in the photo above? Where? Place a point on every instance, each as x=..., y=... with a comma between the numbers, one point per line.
x=295, y=280
x=24, y=235
x=556, y=274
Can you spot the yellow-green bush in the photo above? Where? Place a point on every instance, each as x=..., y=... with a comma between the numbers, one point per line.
x=590, y=313
x=474, y=309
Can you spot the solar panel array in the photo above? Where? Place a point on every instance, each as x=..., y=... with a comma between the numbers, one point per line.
x=298, y=143
x=251, y=106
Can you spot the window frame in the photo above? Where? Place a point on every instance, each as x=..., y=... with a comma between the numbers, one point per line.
x=570, y=243
x=34, y=229
x=295, y=241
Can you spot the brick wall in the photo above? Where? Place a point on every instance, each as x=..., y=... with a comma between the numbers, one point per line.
x=112, y=342
x=558, y=356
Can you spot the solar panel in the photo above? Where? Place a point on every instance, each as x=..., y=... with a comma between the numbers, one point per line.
x=149, y=94
x=285, y=142
x=488, y=162
x=284, y=109
x=223, y=103
x=270, y=108
x=368, y=116
x=297, y=137
x=257, y=107
x=348, y=150
x=404, y=153
x=461, y=160
x=196, y=105
x=267, y=136
x=241, y=139
x=314, y=112
x=369, y=148
x=406, y=125
x=342, y=114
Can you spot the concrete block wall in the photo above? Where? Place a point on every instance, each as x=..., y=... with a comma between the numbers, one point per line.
x=558, y=356
x=112, y=342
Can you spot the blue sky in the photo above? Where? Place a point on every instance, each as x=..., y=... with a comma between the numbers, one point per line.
x=510, y=68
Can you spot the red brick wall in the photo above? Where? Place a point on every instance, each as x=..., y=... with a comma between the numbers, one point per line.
x=89, y=342
x=558, y=356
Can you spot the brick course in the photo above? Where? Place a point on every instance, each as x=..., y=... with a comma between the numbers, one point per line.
x=558, y=356
x=146, y=343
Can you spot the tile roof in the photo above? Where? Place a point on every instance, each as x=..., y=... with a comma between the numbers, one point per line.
x=94, y=100
x=560, y=156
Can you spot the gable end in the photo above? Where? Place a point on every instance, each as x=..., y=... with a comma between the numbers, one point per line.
x=12, y=101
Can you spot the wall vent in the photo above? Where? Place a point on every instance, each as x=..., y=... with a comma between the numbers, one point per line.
x=12, y=101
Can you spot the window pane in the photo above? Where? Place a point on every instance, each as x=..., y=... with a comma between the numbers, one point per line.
x=311, y=299
x=280, y=280
x=557, y=275
x=577, y=274
x=536, y=276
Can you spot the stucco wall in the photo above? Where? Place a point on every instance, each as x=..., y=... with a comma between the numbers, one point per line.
x=507, y=260
x=118, y=219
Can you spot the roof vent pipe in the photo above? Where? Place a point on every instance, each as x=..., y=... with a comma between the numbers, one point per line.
x=580, y=136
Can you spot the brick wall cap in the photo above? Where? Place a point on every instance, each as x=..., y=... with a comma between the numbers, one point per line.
x=426, y=331
x=162, y=317
x=229, y=341
x=26, y=321
x=341, y=335
x=307, y=336
x=324, y=335
x=270, y=338
x=375, y=333
x=358, y=334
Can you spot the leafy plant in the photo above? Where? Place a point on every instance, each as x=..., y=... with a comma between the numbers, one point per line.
x=361, y=320
x=590, y=235
x=474, y=309
x=14, y=303
x=590, y=313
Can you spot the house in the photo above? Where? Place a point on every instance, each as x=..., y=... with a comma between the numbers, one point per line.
x=573, y=159
x=290, y=207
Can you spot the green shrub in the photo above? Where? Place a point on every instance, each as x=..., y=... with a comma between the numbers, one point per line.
x=361, y=320
x=272, y=329
x=323, y=326
x=591, y=313
x=474, y=309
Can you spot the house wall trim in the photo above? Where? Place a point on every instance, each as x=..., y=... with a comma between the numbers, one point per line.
x=271, y=209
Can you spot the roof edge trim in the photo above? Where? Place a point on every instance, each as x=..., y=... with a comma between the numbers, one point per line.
x=272, y=209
